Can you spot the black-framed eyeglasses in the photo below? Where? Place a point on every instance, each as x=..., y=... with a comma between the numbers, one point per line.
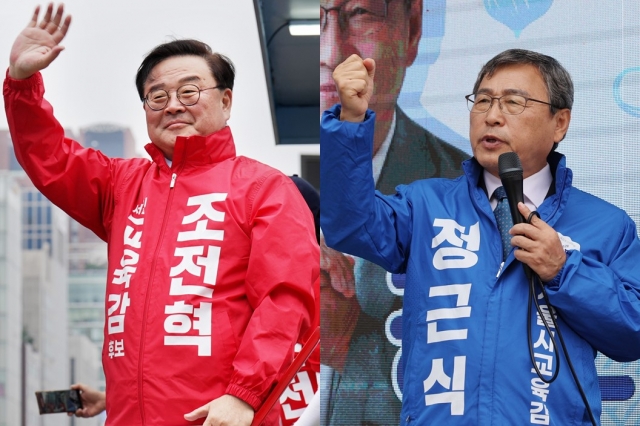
x=509, y=104
x=187, y=94
x=358, y=17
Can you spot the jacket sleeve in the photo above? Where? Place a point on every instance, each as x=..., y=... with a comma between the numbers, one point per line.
x=77, y=180
x=283, y=266
x=355, y=218
x=600, y=299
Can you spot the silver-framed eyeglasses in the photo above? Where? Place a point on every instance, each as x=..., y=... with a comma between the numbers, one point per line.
x=509, y=104
x=187, y=94
x=358, y=17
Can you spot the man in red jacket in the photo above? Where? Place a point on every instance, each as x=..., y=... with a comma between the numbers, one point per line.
x=212, y=257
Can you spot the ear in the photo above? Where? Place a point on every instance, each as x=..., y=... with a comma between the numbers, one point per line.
x=562, y=117
x=415, y=31
x=227, y=100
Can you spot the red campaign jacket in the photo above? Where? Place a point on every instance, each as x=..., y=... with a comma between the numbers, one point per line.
x=211, y=262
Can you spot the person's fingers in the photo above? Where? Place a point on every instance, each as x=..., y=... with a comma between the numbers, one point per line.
x=523, y=209
x=524, y=229
x=353, y=58
x=198, y=413
x=523, y=242
x=370, y=65
x=526, y=212
x=531, y=229
x=34, y=18
x=537, y=222
x=356, y=86
x=53, y=53
x=65, y=26
x=55, y=28
x=57, y=18
x=47, y=17
x=51, y=28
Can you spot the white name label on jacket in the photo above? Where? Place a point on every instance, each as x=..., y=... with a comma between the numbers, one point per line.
x=195, y=271
x=543, y=355
x=456, y=248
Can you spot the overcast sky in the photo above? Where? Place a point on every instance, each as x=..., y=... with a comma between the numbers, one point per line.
x=92, y=81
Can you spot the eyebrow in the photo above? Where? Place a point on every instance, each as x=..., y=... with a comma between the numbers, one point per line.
x=506, y=92
x=183, y=80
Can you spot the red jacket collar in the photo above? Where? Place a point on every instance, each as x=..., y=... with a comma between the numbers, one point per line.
x=211, y=149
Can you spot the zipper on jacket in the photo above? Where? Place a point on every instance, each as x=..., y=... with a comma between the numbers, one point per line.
x=174, y=177
x=500, y=269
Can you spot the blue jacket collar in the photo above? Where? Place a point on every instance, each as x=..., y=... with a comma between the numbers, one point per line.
x=562, y=175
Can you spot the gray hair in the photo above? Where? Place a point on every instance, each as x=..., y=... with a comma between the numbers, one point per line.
x=556, y=78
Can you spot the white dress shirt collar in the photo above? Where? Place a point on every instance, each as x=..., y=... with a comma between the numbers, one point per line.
x=535, y=187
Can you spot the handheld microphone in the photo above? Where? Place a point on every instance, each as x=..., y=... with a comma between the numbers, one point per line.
x=510, y=171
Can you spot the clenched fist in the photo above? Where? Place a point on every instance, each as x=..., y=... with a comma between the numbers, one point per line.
x=354, y=82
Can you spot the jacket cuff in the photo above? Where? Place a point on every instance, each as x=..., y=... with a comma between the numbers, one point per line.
x=27, y=83
x=245, y=395
x=336, y=109
x=555, y=282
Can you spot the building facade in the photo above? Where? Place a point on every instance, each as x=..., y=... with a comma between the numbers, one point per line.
x=11, y=400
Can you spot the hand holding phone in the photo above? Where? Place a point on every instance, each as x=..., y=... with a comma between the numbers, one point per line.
x=93, y=400
x=59, y=401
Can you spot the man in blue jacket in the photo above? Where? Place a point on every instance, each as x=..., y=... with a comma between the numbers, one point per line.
x=477, y=347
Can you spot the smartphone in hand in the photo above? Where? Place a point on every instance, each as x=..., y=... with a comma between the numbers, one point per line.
x=59, y=401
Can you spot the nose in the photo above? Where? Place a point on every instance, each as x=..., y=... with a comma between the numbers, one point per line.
x=335, y=44
x=174, y=105
x=494, y=116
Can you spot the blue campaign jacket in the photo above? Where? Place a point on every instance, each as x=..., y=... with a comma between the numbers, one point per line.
x=464, y=321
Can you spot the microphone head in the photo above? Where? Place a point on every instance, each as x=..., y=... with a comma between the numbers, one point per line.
x=509, y=165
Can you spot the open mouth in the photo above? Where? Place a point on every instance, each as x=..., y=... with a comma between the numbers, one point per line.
x=491, y=141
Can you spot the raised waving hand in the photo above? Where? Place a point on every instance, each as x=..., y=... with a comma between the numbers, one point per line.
x=39, y=43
